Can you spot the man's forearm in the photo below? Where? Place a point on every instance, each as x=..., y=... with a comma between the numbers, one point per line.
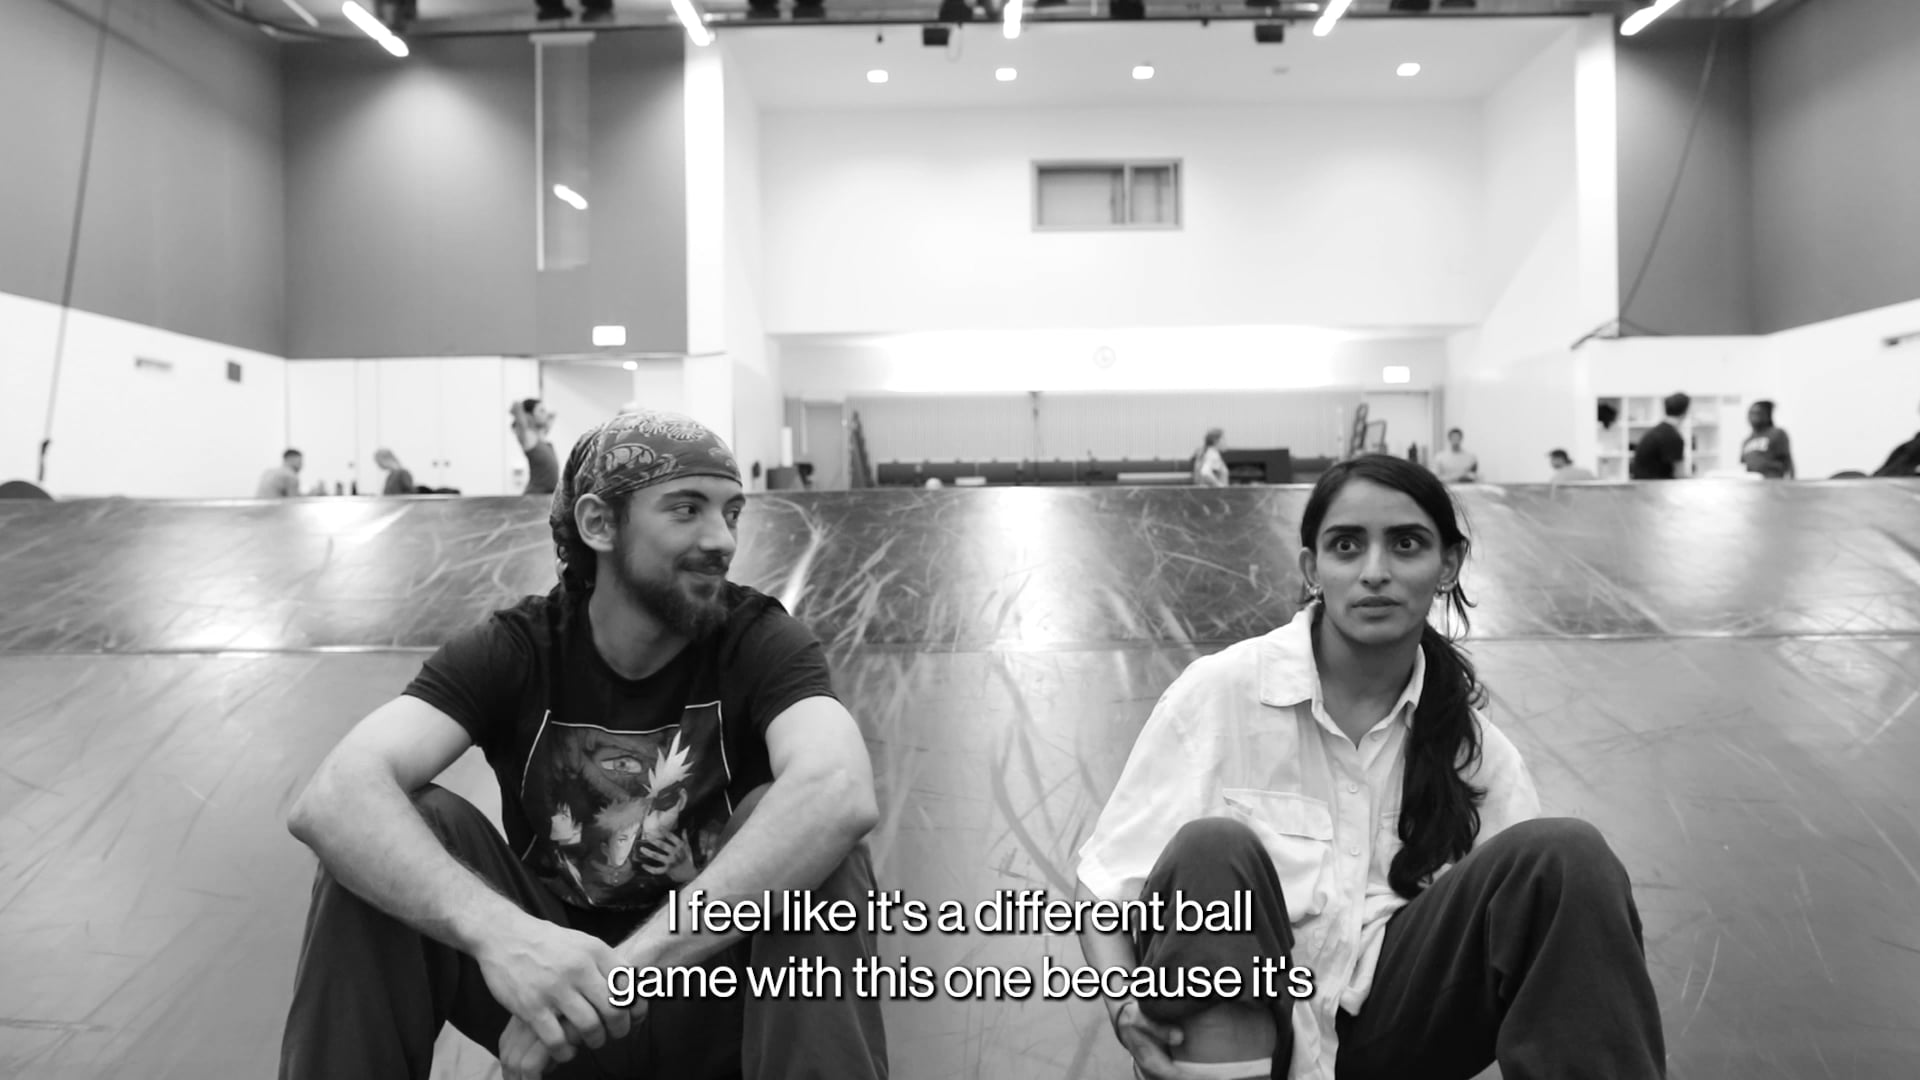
x=801, y=830
x=371, y=839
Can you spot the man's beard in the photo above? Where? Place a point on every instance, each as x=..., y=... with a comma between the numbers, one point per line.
x=684, y=613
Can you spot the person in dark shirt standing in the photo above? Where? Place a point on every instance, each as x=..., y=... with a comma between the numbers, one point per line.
x=531, y=424
x=1904, y=461
x=1766, y=451
x=656, y=732
x=1662, y=449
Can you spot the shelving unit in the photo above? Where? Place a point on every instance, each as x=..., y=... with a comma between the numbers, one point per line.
x=1711, y=430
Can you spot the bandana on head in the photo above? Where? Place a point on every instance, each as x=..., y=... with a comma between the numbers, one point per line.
x=632, y=451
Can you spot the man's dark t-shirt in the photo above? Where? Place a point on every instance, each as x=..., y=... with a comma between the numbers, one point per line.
x=1659, y=454
x=614, y=790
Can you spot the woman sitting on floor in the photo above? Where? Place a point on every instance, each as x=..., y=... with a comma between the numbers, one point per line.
x=1340, y=771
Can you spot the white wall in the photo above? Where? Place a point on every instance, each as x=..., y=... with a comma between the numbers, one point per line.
x=1512, y=381
x=186, y=432
x=445, y=418
x=581, y=397
x=1326, y=214
x=1092, y=361
x=1844, y=397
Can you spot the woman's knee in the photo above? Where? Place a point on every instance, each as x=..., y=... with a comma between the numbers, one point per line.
x=1570, y=848
x=1212, y=838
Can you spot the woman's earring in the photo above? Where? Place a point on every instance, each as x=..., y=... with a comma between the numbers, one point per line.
x=1313, y=594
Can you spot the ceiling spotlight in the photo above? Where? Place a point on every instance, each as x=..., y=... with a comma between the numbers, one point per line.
x=631, y=365
x=876, y=76
x=1144, y=71
x=569, y=196
x=1006, y=74
x=1407, y=70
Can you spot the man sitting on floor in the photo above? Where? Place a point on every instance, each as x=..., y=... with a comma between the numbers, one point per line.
x=655, y=730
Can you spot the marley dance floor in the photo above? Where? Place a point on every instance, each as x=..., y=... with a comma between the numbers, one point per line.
x=1724, y=677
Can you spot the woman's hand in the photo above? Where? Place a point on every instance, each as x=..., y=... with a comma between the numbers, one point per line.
x=1149, y=1044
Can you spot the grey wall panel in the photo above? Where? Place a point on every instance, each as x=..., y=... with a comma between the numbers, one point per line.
x=410, y=199
x=184, y=218
x=637, y=276
x=1836, y=134
x=411, y=189
x=1699, y=280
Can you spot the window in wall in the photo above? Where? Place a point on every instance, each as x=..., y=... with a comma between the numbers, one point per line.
x=1106, y=195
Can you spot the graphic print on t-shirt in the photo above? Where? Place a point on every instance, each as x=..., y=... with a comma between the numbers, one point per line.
x=621, y=817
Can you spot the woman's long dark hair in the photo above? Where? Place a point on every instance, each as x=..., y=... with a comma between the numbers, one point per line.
x=1439, y=810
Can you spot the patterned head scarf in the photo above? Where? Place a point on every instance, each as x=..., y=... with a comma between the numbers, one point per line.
x=634, y=450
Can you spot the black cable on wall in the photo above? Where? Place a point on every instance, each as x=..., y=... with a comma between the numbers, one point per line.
x=73, y=241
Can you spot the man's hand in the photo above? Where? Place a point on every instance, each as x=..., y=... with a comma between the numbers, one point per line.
x=554, y=982
x=1149, y=1042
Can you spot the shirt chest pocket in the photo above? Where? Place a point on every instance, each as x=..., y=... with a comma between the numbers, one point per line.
x=1297, y=833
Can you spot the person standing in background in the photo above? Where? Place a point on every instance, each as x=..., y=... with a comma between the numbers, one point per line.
x=531, y=423
x=1209, y=468
x=399, y=480
x=1766, y=450
x=1455, y=465
x=1904, y=461
x=282, y=482
x=1660, y=451
x=1564, y=470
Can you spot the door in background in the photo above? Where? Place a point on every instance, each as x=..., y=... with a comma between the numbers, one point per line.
x=1409, y=418
x=823, y=444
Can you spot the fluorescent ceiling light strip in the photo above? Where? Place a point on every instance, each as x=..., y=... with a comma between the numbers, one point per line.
x=569, y=196
x=1011, y=16
x=1638, y=21
x=372, y=27
x=305, y=15
x=1330, y=16
x=696, y=26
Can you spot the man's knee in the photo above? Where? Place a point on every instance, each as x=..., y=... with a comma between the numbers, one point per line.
x=741, y=813
x=453, y=819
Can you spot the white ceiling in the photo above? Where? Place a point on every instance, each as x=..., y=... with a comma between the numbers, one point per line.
x=1090, y=64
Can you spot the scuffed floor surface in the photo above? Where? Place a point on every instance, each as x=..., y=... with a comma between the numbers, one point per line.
x=1724, y=678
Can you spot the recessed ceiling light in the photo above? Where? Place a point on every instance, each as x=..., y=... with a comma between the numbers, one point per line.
x=1006, y=74
x=631, y=365
x=1407, y=70
x=876, y=76
x=1144, y=71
